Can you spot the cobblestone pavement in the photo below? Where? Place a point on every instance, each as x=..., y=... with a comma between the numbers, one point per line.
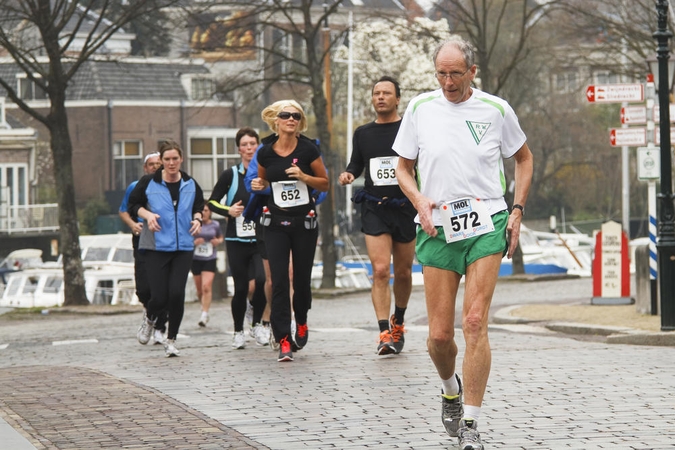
x=74, y=381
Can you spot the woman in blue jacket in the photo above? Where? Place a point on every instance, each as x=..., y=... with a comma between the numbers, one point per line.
x=170, y=202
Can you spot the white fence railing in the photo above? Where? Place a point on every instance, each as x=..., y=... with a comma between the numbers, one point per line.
x=29, y=218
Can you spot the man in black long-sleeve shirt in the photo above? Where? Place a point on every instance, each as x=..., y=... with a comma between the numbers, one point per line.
x=386, y=214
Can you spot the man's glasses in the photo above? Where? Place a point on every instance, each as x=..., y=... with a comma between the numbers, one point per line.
x=285, y=115
x=454, y=76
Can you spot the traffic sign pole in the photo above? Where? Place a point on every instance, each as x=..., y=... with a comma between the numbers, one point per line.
x=651, y=202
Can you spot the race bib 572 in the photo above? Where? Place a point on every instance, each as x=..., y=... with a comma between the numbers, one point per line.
x=465, y=218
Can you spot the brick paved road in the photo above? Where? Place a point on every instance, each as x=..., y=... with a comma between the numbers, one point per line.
x=546, y=391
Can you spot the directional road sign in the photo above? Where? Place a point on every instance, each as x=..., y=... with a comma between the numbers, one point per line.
x=633, y=114
x=615, y=93
x=630, y=137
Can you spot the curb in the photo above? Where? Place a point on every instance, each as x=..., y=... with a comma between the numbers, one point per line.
x=613, y=335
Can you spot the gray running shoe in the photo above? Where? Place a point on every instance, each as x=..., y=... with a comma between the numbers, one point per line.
x=453, y=410
x=285, y=351
x=170, y=348
x=301, y=335
x=397, y=331
x=145, y=330
x=469, y=437
x=386, y=345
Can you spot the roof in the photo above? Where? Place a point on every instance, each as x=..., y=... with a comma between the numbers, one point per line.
x=13, y=122
x=126, y=79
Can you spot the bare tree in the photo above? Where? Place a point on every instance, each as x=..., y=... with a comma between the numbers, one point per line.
x=50, y=40
x=501, y=32
x=620, y=28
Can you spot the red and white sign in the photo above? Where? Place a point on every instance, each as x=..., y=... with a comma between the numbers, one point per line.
x=657, y=135
x=615, y=93
x=633, y=115
x=630, y=137
x=611, y=266
x=657, y=113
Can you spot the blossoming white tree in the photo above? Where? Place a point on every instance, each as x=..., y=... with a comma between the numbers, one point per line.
x=401, y=49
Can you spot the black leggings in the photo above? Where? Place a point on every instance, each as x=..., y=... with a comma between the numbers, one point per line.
x=141, y=278
x=282, y=242
x=241, y=256
x=167, y=276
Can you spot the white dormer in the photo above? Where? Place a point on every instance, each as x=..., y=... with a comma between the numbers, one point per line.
x=199, y=86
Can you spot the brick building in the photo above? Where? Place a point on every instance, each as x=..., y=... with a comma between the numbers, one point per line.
x=118, y=111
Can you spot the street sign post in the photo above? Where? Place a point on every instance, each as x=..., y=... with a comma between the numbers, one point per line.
x=630, y=137
x=615, y=93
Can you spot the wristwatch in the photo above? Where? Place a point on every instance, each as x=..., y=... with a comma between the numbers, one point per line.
x=520, y=207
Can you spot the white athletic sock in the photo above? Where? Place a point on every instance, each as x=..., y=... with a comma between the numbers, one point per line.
x=471, y=412
x=450, y=387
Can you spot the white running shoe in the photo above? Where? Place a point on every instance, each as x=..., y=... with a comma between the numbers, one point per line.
x=170, y=349
x=239, y=340
x=262, y=334
x=145, y=330
x=204, y=319
x=158, y=337
x=254, y=330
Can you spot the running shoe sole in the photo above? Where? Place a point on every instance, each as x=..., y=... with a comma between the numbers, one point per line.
x=385, y=349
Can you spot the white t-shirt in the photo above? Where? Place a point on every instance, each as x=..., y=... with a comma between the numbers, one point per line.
x=460, y=147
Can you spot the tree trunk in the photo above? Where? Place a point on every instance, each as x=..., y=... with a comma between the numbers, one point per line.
x=327, y=214
x=329, y=256
x=61, y=145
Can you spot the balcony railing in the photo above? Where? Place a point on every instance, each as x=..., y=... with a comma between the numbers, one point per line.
x=17, y=219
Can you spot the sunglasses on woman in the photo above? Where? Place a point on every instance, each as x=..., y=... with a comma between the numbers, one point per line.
x=285, y=115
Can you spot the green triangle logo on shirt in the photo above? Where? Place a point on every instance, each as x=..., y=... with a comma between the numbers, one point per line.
x=478, y=130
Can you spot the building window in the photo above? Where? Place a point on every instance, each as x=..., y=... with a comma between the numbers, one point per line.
x=128, y=162
x=210, y=152
x=202, y=88
x=566, y=82
x=28, y=90
x=289, y=56
x=13, y=184
x=606, y=77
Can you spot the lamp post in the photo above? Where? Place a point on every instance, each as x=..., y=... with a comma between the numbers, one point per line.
x=665, y=241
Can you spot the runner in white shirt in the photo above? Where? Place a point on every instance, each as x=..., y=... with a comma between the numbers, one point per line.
x=458, y=136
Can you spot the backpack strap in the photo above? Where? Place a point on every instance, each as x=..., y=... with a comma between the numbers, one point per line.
x=234, y=186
